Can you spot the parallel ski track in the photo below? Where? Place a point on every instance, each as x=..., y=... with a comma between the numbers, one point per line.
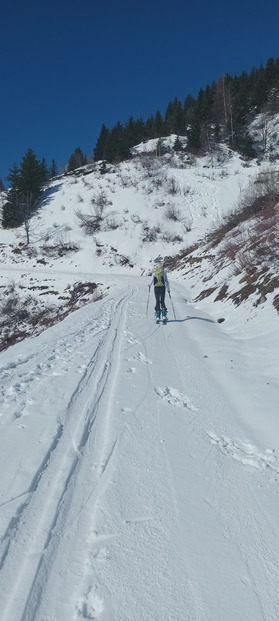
x=32, y=537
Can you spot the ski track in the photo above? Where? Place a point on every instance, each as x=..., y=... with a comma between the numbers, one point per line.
x=34, y=529
x=73, y=515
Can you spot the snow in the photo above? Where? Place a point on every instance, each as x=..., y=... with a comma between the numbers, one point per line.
x=139, y=462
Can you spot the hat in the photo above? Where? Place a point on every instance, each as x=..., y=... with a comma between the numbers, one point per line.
x=159, y=261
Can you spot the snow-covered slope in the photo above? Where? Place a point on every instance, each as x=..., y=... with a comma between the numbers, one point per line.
x=139, y=462
x=147, y=207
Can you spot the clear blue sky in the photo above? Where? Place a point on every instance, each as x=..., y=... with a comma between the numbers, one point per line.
x=69, y=66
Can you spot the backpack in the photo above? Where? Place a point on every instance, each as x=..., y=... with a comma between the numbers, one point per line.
x=158, y=277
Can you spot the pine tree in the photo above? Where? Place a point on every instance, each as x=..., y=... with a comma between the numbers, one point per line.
x=10, y=215
x=188, y=108
x=158, y=125
x=24, y=193
x=174, y=118
x=101, y=144
x=139, y=133
x=177, y=146
x=195, y=126
x=244, y=143
x=44, y=171
x=117, y=147
x=148, y=128
x=133, y=133
x=76, y=160
x=53, y=171
x=31, y=174
x=193, y=134
x=14, y=175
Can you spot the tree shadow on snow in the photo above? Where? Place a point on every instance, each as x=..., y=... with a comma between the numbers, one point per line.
x=49, y=192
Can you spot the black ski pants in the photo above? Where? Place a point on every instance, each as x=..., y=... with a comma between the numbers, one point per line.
x=160, y=293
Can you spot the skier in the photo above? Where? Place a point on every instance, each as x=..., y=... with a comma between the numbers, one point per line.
x=160, y=282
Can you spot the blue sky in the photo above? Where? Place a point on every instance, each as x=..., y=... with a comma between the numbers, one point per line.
x=68, y=67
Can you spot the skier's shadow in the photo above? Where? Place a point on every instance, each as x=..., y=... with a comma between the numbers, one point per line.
x=189, y=317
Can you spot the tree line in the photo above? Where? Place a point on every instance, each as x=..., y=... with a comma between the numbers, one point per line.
x=221, y=112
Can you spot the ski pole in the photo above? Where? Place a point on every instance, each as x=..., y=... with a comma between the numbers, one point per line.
x=147, y=301
x=172, y=306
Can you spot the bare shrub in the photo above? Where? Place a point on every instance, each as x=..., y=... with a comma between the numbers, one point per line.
x=89, y=222
x=171, y=238
x=268, y=181
x=11, y=308
x=150, y=234
x=150, y=165
x=92, y=223
x=148, y=188
x=172, y=213
x=191, y=160
x=100, y=202
x=224, y=173
x=159, y=181
x=86, y=183
x=172, y=186
x=231, y=248
x=60, y=249
x=125, y=181
x=187, y=226
x=244, y=262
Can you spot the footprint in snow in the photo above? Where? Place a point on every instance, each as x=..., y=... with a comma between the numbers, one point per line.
x=140, y=357
x=130, y=339
x=92, y=607
x=245, y=452
x=175, y=397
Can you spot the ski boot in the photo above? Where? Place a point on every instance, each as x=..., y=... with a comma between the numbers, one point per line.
x=164, y=315
x=158, y=315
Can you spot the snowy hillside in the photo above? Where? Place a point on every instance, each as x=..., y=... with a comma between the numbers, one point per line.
x=140, y=462
x=135, y=211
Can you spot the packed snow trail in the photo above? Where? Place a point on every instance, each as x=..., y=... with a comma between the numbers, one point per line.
x=131, y=489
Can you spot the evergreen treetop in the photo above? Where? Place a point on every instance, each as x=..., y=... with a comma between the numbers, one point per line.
x=76, y=160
